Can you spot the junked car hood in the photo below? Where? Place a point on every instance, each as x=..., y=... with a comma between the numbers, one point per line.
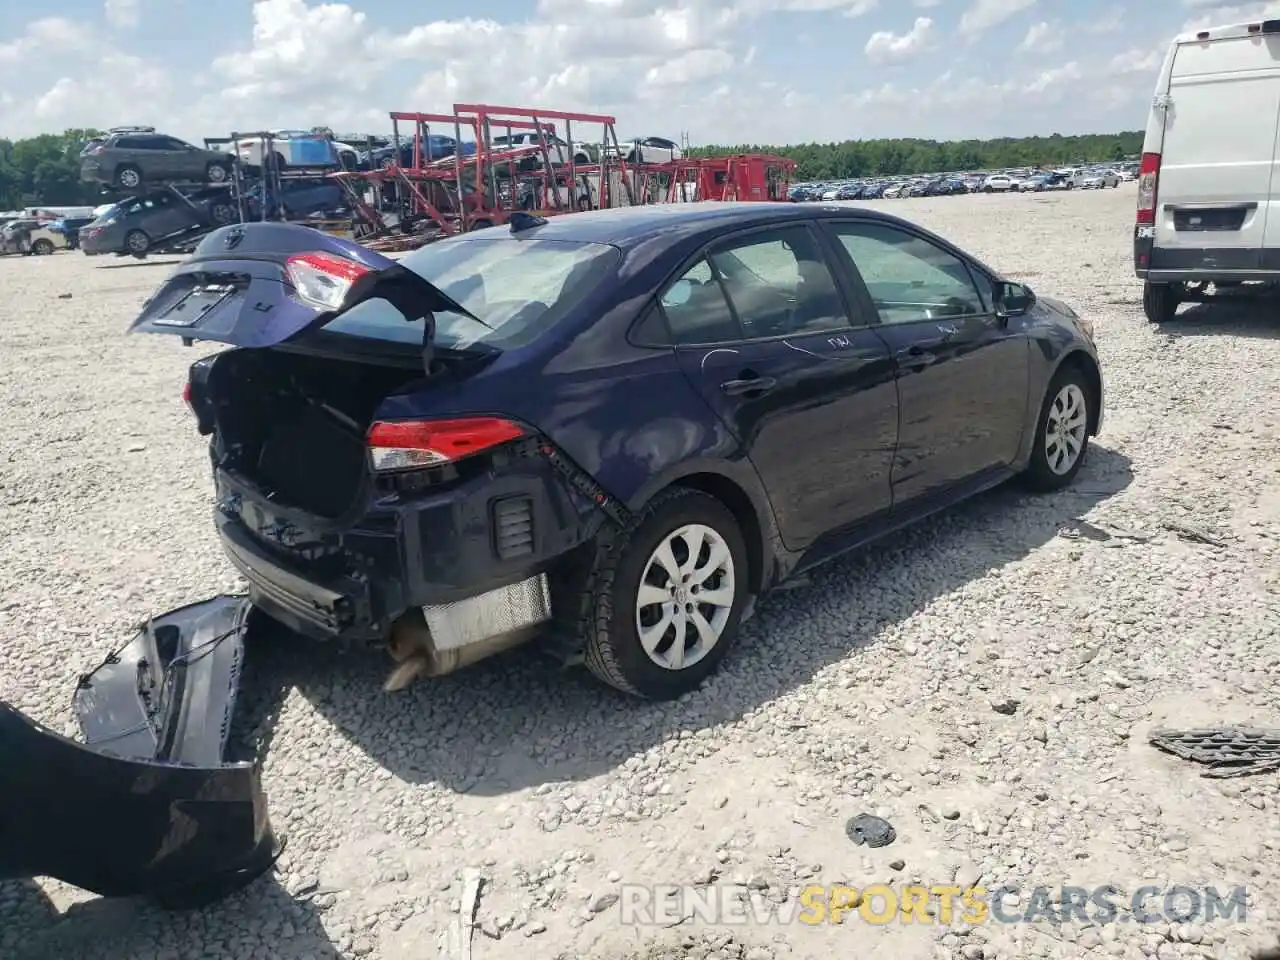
x=146, y=804
x=235, y=289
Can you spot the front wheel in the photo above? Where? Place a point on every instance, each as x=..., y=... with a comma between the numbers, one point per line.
x=42, y=247
x=665, y=596
x=1160, y=301
x=1062, y=432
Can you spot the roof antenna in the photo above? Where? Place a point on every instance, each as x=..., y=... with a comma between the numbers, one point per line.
x=521, y=221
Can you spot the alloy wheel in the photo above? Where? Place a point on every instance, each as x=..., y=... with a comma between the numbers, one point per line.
x=1065, y=429
x=685, y=597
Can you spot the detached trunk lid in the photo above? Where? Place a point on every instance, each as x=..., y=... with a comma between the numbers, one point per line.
x=262, y=284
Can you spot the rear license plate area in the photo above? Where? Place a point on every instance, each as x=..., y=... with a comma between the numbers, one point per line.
x=192, y=307
x=1223, y=220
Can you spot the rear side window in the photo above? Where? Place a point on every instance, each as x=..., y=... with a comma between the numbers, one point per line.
x=519, y=288
x=774, y=283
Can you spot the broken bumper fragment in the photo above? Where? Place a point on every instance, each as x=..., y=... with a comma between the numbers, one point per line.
x=147, y=804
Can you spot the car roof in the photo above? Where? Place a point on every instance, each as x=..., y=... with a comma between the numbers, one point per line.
x=627, y=227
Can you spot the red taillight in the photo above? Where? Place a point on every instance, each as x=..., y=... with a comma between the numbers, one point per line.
x=323, y=279
x=186, y=395
x=1148, y=177
x=404, y=444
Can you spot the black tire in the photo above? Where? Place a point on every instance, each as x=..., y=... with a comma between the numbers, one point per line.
x=42, y=247
x=987, y=190
x=608, y=623
x=222, y=213
x=584, y=203
x=1160, y=301
x=128, y=177
x=1040, y=474
x=137, y=243
x=217, y=172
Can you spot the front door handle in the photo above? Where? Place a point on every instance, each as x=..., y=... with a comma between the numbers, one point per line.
x=757, y=385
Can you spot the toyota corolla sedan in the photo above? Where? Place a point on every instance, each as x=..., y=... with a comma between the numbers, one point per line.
x=610, y=431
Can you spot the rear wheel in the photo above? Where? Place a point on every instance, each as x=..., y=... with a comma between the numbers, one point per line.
x=1062, y=432
x=1160, y=301
x=42, y=247
x=137, y=243
x=665, y=596
x=128, y=177
x=217, y=172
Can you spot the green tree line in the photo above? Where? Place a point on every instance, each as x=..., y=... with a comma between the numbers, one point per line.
x=862, y=158
x=45, y=170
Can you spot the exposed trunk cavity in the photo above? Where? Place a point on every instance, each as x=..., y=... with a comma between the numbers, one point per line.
x=294, y=425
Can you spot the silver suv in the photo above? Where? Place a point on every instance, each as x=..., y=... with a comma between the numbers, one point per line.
x=129, y=157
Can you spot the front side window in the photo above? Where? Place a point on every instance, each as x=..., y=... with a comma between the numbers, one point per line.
x=518, y=288
x=909, y=278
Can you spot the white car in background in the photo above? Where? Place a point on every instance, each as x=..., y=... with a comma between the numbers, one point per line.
x=999, y=183
x=646, y=150
x=1097, y=179
x=297, y=148
x=526, y=144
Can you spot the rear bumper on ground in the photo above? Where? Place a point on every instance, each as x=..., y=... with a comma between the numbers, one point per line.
x=147, y=804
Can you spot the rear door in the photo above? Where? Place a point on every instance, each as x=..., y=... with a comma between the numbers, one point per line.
x=795, y=371
x=1219, y=145
x=962, y=371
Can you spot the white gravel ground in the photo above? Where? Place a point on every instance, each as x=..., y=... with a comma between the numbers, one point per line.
x=870, y=688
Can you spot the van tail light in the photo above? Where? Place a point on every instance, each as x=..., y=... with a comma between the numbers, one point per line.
x=409, y=444
x=1148, y=179
x=323, y=279
x=186, y=396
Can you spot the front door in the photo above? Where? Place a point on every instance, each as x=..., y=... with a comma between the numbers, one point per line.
x=765, y=333
x=963, y=372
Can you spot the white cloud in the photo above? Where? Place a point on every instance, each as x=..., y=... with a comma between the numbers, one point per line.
x=659, y=66
x=1053, y=78
x=1221, y=16
x=982, y=15
x=926, y=4
x=1042, y=37
x=1136, y=60
x=885, y=46
x=121, y=13
x=49, y=35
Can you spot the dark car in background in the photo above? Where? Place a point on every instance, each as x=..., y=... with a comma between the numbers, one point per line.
x=128, y=159
x=138, y=224
x=401, y=448
x=434, y=147
x=298, y=199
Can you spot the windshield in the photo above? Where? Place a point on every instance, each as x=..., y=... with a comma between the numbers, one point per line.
x=519, y=288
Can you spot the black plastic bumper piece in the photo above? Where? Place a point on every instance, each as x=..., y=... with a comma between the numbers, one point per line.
x=146, y=805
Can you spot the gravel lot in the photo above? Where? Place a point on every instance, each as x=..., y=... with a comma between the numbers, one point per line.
x=870, y=688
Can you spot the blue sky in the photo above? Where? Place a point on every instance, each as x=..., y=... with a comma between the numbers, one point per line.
x=764, y=71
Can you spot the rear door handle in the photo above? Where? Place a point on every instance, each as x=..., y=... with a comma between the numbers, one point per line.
x=917, y=356
x=736, y=388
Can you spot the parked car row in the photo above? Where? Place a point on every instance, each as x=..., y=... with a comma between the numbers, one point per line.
x=947, y=184
x=143, y=223
x=128, y=158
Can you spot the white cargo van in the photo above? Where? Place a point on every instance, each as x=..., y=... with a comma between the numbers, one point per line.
x=1208, y=194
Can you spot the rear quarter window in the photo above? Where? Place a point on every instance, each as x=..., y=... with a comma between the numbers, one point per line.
x=518, y=288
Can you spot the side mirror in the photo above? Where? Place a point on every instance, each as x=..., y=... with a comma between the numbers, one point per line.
x=1013, y=299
